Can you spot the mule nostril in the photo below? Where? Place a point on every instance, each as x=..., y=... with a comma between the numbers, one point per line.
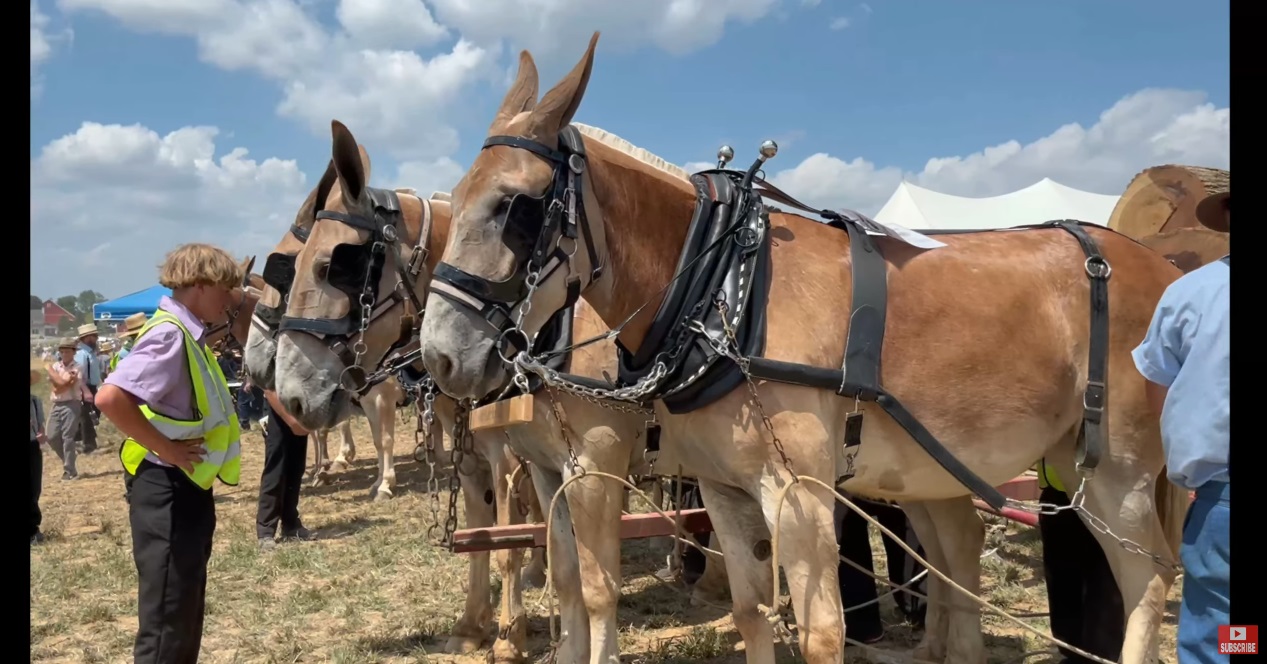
x=295, y=407
x=441, y=365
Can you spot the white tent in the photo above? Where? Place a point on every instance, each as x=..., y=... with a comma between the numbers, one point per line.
x=917, y=208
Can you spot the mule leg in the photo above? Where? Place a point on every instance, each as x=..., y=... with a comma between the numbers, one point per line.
x=470, y=630
x=534, y=575
x=321, y=462
x=960, y=533
x=512, y=629
x=740, y=525
x=384, y=430
x=596, y=507
x=1123, y=496
x=711, y=586
x=809, y=556
x=932, y=646
x=347, y=451
x=564, y=570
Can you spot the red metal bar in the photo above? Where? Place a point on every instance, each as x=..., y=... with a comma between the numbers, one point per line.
x=1027, y=518
x=632, y=526
x=695, y=521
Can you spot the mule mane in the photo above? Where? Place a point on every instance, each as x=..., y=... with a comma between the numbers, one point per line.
x=629, y=149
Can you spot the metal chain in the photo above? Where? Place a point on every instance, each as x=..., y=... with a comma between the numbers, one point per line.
x=460, y=435
x=563, y=431
x=426, y=422
x=732, y=352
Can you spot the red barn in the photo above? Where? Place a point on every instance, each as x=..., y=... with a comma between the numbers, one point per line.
x=53, y=316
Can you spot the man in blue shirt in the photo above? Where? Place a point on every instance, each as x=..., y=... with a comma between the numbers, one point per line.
x=90, y=369
x=1184, y=358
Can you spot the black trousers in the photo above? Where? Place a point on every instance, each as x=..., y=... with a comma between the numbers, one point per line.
x=1082, y=594
x=173, y=521
x=37, y=483
x=693, y=559
x=285, y=454
x=88, y=424
x=856, y=588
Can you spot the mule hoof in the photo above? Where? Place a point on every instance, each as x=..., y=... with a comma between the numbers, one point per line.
x=463, y=645
x=338, y=466
x=534, y=576
x=925, y=653
x=381, y=494
x=505, y=652
x=707, y=596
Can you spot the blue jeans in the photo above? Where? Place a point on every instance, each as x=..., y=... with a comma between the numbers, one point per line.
x=1206, y=559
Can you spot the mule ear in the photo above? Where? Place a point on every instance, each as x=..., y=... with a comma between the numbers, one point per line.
x=522, y=95
x=556, y=108
x=317, y=197
x=350, y=162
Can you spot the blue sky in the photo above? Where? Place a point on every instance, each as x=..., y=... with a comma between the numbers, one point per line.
x=860, y=96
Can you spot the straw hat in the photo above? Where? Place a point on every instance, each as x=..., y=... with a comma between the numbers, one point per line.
x=87, y=330
x=133, y=323
x=68, y=343
x=36, y=376
x=106, y=346
x=1211, y=211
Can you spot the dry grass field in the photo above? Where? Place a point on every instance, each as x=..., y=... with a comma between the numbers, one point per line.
x=373, y=589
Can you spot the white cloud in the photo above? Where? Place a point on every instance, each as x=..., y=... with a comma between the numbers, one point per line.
x=1148, y=128
x=838, y=23
x=390, y=23
x=429, y=176
x=560, y=27
x=43, y=42
x=108, y=201
x=865, y=8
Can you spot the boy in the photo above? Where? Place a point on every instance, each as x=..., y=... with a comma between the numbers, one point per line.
x=171, y=459
x=69, y=396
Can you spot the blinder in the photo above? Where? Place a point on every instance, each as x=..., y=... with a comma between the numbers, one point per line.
x=533, y=230
x=279, y=273
x=356, y=271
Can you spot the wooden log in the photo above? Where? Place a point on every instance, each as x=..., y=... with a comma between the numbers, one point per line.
x=1189, y=248
x=1164, y=198
x=502, y=414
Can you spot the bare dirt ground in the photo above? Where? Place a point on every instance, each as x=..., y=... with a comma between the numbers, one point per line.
x=373, y=588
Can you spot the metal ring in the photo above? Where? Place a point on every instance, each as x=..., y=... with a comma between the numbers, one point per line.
x=389, y=232
x=359, y=347
x=1097, y=267
x=501, y=345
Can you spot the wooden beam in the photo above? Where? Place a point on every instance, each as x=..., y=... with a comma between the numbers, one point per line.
x=525, y=535
x=502, y=414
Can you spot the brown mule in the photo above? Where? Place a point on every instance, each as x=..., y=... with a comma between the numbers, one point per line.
x=986, y=344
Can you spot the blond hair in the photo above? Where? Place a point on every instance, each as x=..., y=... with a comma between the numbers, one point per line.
x=198, y=264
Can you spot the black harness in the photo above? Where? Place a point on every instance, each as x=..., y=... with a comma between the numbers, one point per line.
x=534, y=230
x=725, y=270
x=356, y=271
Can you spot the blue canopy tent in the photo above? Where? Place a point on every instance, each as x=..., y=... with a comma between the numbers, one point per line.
x=145, y=302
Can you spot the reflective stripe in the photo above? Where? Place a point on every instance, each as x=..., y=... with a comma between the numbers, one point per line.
x=1047, y=477
x=214, y=424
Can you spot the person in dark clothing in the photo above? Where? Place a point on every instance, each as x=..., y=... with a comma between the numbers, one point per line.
x=37, y=460
x=693, y=559
x=1083, y=599
x=285, y=453
x=857, y=589
x=250, y=402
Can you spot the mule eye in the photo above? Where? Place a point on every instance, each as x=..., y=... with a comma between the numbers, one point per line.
x=322, y=270
x=502, y=209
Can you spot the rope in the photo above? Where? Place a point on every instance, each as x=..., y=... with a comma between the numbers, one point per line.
x=775, y=620
x=772, y=615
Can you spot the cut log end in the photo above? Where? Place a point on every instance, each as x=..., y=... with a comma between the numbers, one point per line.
x=1164, y=198
x=502, y=414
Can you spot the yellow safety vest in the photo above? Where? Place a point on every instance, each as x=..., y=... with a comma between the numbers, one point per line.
x=114, y=359
x=1047, y=477
x=217, y=425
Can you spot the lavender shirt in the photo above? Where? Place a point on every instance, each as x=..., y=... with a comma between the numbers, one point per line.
x=156, y=370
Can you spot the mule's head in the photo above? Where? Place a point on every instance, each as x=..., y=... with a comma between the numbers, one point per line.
x=235, y=328
x=351, y=298
x=515, y=256
x=279, y=272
